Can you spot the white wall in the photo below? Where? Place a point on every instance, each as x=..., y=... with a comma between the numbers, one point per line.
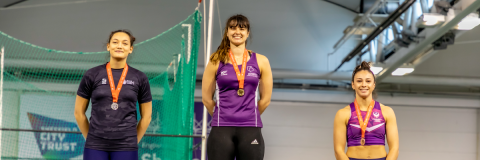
x=305, y=131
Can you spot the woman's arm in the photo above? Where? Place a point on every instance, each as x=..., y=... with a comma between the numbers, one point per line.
x=266, y=83
x=340, y=132
x=208, y=86
x=81, y=105
x=392, y=132
x=146, y=117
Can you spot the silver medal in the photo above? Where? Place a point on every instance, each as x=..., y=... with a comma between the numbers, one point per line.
x=114, y=106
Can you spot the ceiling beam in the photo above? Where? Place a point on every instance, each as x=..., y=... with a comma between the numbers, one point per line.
x=341, y=6
x=14, y=3
x=412, y=52
x=391, y=18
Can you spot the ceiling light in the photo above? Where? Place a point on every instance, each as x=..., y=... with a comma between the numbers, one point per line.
x=431, y=19
x=402, y=71
x=376, y=70
x=469, y=22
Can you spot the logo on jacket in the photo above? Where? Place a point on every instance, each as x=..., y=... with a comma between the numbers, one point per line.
x=252, y=75
x=104, y=81
x=376, y=115
x=250, y=69
x=223, y=73
x=129, y=82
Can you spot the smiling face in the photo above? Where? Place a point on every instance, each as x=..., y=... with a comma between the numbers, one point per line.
x=363, y=83
x=238, y=32
x=120, y=46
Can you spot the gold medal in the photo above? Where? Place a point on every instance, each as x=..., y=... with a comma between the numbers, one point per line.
x=362, y=141
x=240, y=92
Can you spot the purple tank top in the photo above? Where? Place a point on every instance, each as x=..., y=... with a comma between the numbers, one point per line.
x=231, y=109
x=375, y=132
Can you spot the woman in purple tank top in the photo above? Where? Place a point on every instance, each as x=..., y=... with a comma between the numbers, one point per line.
x=363, y=124
x=242, y=83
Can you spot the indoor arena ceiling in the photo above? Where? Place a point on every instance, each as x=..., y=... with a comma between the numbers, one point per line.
x=295, y=35
x=353, y=5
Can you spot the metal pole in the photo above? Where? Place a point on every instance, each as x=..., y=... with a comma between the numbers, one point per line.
x=406, y=19
x=424, y=6
x=207, y=54
x=413, y=18
x=380, y=44
x=1, y=95
x=428, y=41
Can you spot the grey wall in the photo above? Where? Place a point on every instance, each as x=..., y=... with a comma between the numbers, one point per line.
x=292, y=34
x=305, y=131
x=298, y=124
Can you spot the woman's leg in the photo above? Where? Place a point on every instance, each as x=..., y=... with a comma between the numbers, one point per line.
x=124, y=155
x=250, y=143
x=220, y=143
x=92, y=154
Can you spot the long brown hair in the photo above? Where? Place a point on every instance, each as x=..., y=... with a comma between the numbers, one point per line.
x=221, y=55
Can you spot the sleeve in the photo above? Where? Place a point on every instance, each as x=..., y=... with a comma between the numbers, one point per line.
x=86, y=86
x=144, y=94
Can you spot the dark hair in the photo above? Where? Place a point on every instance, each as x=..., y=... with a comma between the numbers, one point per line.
x=364, y=66
x=222, y=51
x=132, y=38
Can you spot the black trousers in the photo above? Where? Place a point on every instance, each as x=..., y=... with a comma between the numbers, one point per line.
x=240, y=143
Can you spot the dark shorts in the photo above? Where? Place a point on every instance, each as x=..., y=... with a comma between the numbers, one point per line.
x=369, y=159
x=92, y=154
x=240, y=143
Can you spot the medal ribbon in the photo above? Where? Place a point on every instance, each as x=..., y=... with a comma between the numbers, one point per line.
x=240, y=76
x=116, y=92
x=363, y=123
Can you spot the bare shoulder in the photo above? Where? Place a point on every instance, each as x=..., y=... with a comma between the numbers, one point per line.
x=387, y=112
x=344, y=112
x=264, y=64
x=212, y=67
x=386, y=108
x=262, y=58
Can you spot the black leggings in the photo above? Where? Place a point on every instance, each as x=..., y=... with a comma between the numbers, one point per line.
x=240, y=143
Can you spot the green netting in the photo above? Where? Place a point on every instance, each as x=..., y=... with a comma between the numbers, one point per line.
x=39, y=89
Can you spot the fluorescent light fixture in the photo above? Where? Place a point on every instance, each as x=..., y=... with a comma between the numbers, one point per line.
x=469, y=22
x=402, y=71
x=376, y=70
x=430, y=19
x=431, y=22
